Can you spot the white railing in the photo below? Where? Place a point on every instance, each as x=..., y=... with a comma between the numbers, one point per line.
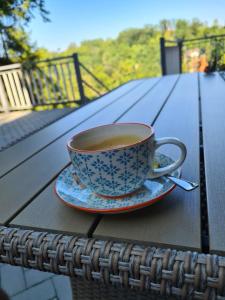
x=48, y=82
x=14, y=91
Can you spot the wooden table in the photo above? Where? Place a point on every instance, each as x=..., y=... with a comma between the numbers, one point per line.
x=190, y=107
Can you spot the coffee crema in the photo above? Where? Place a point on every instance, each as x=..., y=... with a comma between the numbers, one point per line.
x=115, y=142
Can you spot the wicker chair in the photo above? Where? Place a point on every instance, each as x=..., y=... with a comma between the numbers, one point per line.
x=113, y=270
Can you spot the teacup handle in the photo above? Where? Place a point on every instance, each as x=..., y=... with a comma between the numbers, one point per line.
x=154, y=173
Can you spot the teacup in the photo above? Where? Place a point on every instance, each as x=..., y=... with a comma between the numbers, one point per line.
x=119, y=168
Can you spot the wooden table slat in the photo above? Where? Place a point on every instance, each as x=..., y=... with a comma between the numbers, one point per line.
x=175, y=221
x=21, y=151
x=147, y=109
x=23, y=183
x=212, y=89
x=48, y=213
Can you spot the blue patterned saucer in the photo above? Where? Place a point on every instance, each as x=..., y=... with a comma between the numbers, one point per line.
x=82, y=198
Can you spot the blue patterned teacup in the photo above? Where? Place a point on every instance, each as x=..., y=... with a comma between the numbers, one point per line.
x=122, y=169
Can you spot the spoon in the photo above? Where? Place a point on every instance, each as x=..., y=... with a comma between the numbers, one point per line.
x=183, y=183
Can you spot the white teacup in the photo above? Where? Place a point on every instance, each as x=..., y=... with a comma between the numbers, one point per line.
x=121, y=167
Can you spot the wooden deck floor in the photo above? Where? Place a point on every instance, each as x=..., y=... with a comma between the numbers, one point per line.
x=15, y=126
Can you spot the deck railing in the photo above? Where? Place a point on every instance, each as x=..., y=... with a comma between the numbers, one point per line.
x=193, y=55
x=14, y=88
x=61, y=80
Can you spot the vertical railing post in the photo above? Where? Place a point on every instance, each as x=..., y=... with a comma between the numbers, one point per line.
x=180, y=45
x=3, y=97
x=163, y=55
x=79, y=78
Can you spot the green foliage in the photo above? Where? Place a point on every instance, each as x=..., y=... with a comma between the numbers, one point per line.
x=14, y=11
x=14, y=15
x=217, y=61
x=135, y=53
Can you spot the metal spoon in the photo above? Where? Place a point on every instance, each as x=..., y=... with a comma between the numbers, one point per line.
x=183, y=183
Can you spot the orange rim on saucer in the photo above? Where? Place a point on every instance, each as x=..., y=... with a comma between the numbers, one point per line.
x=115, y=210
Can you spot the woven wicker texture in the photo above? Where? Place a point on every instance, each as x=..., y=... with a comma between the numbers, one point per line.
x=165, y=272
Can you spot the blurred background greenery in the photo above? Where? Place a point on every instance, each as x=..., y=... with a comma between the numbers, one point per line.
x=134, y=53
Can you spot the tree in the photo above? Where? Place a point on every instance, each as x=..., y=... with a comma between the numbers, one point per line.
x=14, y=15
x=196, y=27
x=182, y=29
x=164, y=26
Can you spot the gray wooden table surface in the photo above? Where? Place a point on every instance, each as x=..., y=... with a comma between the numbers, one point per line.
x=190, y=107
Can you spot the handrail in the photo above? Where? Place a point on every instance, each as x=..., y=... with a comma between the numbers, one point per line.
x=46, y=82
x=184, y=48
x=205, y=38
x=10, y=67
x=98, y=80
x=54, y=58
x=196, y=39
x=91, y=87
x=83, y=67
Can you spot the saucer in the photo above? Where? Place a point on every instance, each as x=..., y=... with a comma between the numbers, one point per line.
x=83, y=198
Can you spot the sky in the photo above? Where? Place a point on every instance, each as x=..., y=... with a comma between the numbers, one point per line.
x=73, y=21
